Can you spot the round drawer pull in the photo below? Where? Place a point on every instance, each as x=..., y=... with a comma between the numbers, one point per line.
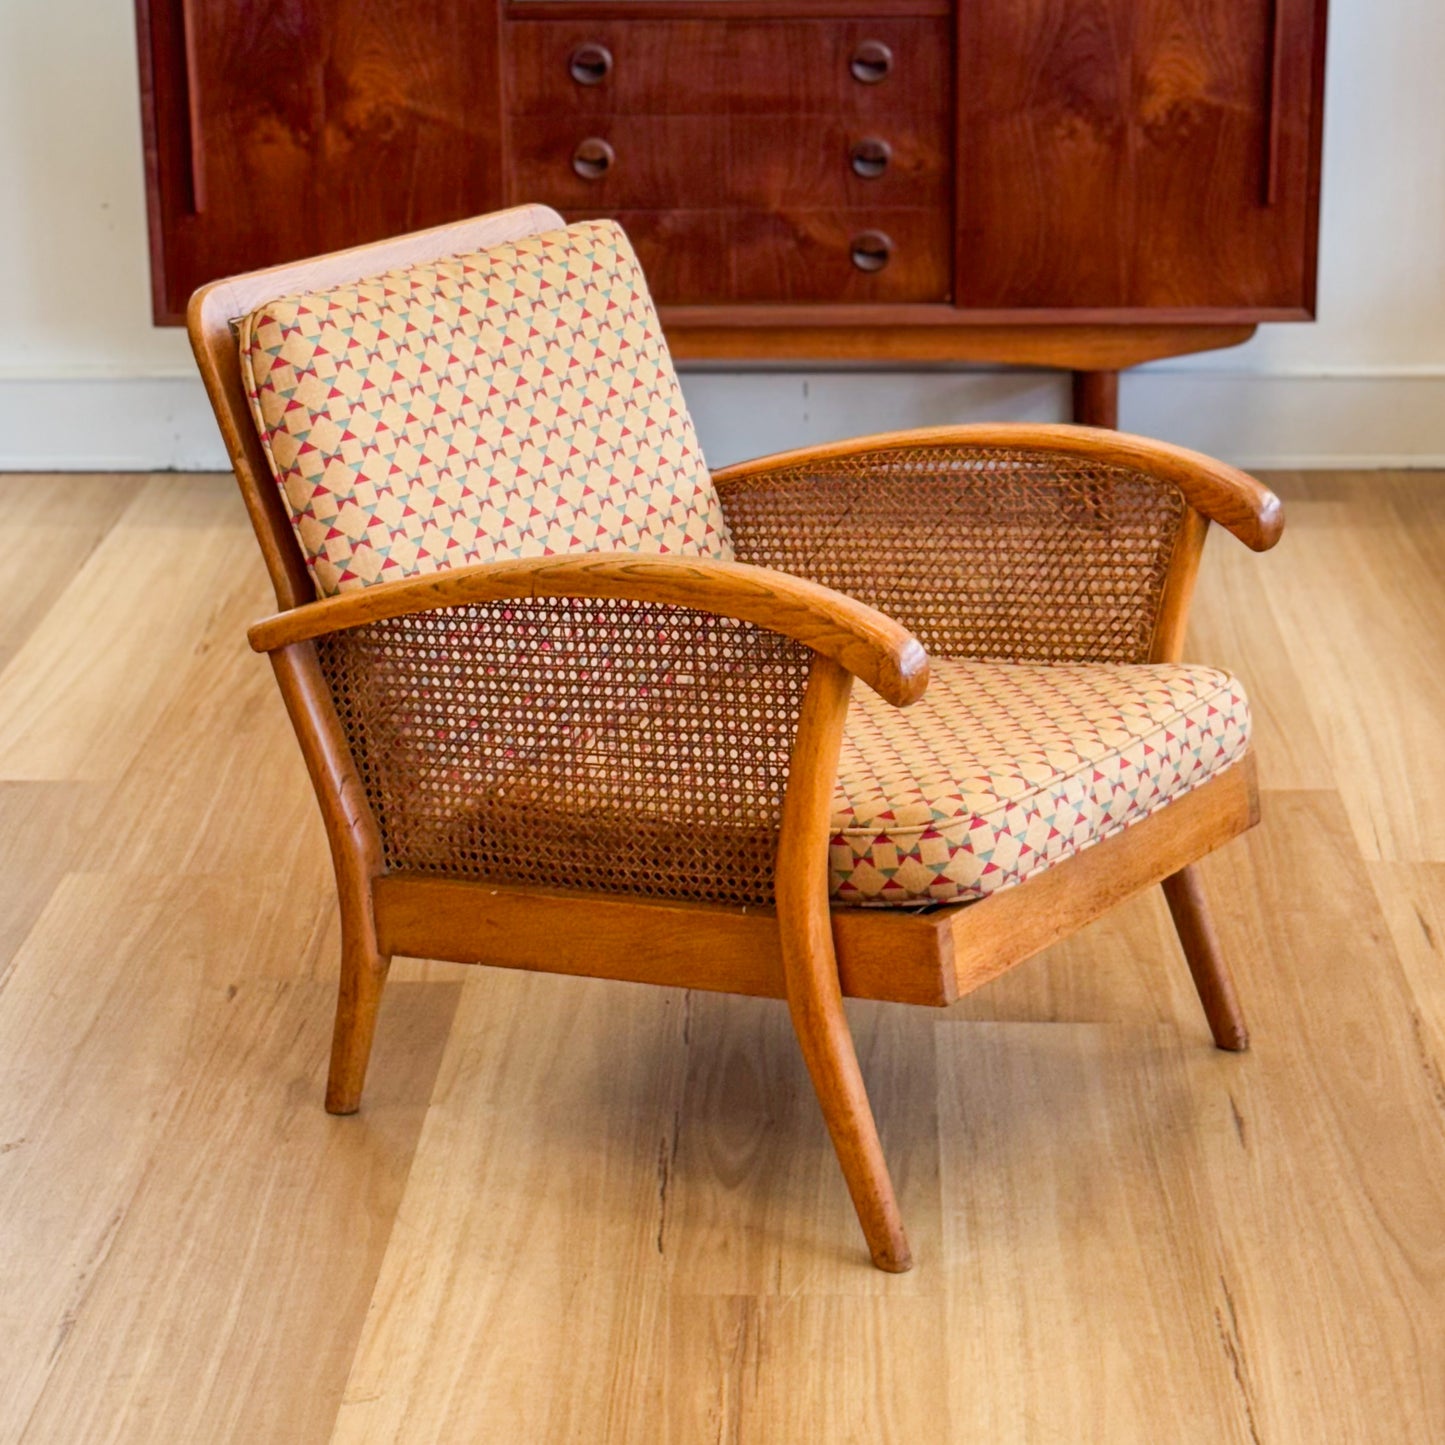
x=593, y=158
x=869, y=157
x=590, y=64
x=870, y=250
x=871, y=62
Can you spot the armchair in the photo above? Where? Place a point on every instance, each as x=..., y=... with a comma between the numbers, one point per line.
x=571, y=703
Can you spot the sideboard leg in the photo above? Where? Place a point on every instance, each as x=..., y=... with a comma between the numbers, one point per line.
x=1096, y=398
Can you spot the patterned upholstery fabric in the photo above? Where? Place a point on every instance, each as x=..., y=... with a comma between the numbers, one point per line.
x=1002, y=770
x=517, y=402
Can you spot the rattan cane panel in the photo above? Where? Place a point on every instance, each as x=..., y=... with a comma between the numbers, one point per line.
x=619, y=746
x=992, y=554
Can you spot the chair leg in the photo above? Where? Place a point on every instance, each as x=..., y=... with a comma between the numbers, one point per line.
x=810, y=966
x=363, y=977
x=1206, y=962
x=827, y=1045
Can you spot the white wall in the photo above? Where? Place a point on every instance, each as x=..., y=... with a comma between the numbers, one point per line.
x=87, y=382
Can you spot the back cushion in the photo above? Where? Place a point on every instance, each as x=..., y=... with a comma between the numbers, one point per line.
x=514, y=402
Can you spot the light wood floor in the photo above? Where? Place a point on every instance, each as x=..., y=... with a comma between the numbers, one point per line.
x=592, y=1212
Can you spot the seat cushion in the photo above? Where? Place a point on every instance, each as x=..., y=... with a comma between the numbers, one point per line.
x=1003, y=770
x=515, y=402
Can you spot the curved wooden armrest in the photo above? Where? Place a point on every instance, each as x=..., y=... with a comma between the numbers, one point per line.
x=870, y=645
x=1222, y=493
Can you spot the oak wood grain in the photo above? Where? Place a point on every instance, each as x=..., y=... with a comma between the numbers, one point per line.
x=70, y=693
x=868, y=644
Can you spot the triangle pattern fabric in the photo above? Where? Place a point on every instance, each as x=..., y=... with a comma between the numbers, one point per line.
x=1003, y=770
x=514, y=402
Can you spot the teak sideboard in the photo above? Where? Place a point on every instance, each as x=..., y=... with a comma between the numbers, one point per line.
x=1078, y=183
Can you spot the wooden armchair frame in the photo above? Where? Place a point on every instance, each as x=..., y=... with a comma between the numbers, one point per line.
x=801, y=949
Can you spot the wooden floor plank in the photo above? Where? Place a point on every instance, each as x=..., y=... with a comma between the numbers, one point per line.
x=523, y=1277
x=616, y=1217
x=1082, y=1274
x=220, y=754
x=112, y=1005
x=51, y=527
x=79, y=694
x=1325, y=1148
x=779, y=1369
x=44, y=829
x=1234, y=625
x=1412, y=898
x=756, y=1203
x=1361, y=610
x=244, y=1265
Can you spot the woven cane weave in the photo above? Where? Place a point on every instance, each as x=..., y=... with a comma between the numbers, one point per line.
x=1001, y=771
x=626, y=747
x=1006, y=556
x=643, y=749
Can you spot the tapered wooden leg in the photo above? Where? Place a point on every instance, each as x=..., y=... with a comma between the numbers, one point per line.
x=815, y=997
x=1206, y=961
x=1096, y=398
x=832, y=1061
x=363, y=977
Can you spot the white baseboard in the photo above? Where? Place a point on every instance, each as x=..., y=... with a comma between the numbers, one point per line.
x=1360, y=420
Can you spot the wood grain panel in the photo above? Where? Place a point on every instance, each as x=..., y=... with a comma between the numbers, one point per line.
x=684, y=254
x=392, y=114
x=1116, y=152
x=663, y=163
x=797, y=255
x=781, y=163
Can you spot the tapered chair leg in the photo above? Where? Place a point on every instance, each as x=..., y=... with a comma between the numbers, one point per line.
x=358, y=1000
x=1196, y=932
x=810, y=966
x=832, y=1061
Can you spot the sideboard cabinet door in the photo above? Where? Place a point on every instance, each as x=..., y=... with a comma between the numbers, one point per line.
x=1125, y=154
x=279, y=130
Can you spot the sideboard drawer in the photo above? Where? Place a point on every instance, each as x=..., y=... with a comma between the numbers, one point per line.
x=712, y=257
x=625, y=162
x=702, y=161
x=879, y=255
x=901, y=160
x=771, y=67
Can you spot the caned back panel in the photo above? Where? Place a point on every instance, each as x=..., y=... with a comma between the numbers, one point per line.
x=1049, y=557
